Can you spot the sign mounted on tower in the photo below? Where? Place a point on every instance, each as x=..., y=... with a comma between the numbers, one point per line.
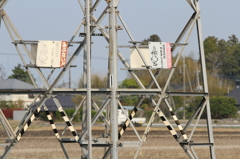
x=157, y=55
x=160, y=54
x=50, y=53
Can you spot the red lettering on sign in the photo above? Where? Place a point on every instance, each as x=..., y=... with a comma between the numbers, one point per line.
x=169, y=55
x=64, y=49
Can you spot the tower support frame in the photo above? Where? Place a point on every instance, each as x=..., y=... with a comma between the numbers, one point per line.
x=111, y=104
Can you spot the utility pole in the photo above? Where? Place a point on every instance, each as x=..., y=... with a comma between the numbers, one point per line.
x=113, y=77
x=86, y=111
x=184, y=88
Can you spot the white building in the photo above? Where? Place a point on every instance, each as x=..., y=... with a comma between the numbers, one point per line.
x=14, y=84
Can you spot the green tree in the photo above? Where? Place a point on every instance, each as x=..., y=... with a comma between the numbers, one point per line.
x=222, y=62
x=20, y=74
x=210, y=45
x=153, y=38
x=230, y=61
x=129, y=83
x=221, y=107
x=213, y=53
x=129, y=100
x=222, y=57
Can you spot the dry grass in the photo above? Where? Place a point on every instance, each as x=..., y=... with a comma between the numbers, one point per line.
x=159, y=144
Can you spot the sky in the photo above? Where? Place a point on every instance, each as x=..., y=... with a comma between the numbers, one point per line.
x=59, y=19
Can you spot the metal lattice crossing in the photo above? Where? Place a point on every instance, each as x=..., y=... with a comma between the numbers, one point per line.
x=112, y=138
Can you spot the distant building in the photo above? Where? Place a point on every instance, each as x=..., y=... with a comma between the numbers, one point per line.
x=235, y=94
x=14, y=84
x=65, y=101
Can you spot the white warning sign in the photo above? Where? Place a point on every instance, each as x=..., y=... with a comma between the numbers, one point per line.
x=160, y=54
x=51, y=53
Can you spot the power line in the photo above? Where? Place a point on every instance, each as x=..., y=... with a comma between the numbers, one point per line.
x=93, y=57
x=12, y=54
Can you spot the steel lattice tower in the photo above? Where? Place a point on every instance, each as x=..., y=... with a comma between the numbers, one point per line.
x=111, y=140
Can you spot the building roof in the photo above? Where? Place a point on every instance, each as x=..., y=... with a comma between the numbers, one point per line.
x=14, y=84
x=65, y=101
x=235, y=94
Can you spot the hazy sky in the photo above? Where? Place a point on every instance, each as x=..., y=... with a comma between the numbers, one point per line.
x=58, y=20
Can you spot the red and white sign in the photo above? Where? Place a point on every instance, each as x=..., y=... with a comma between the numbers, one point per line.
x=160, y=54
x=64, y=48
x=169, y=55
x=52, y=53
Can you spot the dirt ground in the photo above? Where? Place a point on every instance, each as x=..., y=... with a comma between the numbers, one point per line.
x=40, y=142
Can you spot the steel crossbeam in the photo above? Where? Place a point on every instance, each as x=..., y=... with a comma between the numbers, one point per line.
x=3, y=3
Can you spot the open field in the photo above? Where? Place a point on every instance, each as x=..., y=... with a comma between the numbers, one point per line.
x=39, y=142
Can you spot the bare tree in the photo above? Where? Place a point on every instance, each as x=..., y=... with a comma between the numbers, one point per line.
x=2, y=72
